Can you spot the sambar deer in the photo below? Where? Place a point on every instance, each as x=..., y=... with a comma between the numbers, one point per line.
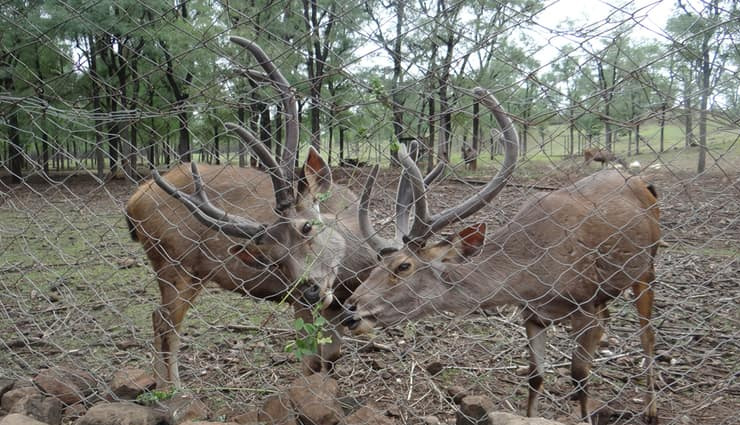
x=251, y=232
x=564, y=256
x=602, y=155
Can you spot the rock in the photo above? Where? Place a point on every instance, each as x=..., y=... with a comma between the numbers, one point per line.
x=431, y=420
x=74, y=412
x=456, y=393
x=44, y=409
x=277, y=410
x=182, y=408
x=5, y=386
x=69, y=385
x=208, y=423
x=248, y=418
x=367, y=415
x=129, y=383
x=18, y=419
x=434, y=368
x=503, y=418
x=314, y=398
x=10, y=398
x=124, y=413
x=474, y=411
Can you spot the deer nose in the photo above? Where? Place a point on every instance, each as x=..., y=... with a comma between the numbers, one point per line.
x=349, y=313
x=312, y=294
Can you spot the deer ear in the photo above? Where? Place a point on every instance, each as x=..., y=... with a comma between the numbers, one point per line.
x=249, y=255
x=467, y=243
x=317, y=174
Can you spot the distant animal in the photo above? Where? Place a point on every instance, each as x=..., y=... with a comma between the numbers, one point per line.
x=352, y=162
x=469, y=156
x=602, y=155
x=563, y=257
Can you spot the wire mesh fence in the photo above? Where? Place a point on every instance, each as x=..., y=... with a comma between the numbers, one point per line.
x=104, y=271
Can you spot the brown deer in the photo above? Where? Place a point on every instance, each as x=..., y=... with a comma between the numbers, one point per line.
x=250, y=232
x=602, y=155
x=564, y=256
x=470, y=156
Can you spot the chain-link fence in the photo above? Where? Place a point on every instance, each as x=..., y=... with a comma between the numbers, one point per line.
x=433, y=261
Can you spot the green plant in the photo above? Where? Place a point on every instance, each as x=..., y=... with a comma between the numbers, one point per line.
x=154, y=396
x=313, y=335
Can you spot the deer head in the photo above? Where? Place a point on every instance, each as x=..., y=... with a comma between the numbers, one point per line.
x=299, y=245
x=379, y=301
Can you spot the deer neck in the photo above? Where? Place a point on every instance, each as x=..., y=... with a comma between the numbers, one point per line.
x=493, y=278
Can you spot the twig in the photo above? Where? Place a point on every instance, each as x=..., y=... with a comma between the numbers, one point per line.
x=411, y=380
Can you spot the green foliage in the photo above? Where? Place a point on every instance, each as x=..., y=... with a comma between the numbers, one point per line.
x=155, y=396
x=312, y=335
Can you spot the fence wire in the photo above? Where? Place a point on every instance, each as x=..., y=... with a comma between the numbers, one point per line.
x=103, y=272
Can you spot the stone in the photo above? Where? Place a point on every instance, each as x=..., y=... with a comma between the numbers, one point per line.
x=183, y=408
x=314, y=398
x=503, y=418
x=474, y=411
x=74, y=412
x=128, y=383
x=123, y=413
x=39, y=407
x=456, y=393
x=10, y=398
x=277, y=410
x=208, y=423
x=5, y=386
x=367, y=415
x=248, y=418
x=431, y=420
x=69, y=385
x=435, y=367
x=18, y=419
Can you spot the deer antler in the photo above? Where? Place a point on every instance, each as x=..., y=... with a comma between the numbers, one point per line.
x=404, y=193
x=424, y=224
x=207, y=213
x=289, y=105
x=404, y=196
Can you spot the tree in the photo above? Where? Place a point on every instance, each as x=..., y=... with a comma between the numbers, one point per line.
x=702, y=37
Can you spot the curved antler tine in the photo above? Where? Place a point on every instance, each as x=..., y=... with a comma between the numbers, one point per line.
x=405, y=195
x=289, y=104
x=436, y=172
x=510, y=142
x=283, y=188
x=367, y=230
x=411, y=172
x=207, y=213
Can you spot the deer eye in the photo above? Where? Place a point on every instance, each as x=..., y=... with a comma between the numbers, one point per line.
x=306, y=229
x=403, y=267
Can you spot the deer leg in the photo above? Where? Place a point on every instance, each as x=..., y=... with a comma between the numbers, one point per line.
x=587, y=330
x=644, y=303
x=536, y=339
x=177, y=291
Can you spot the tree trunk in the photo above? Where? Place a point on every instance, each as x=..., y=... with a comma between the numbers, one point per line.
x=341, y=144
x=663, y=108
x=703, y=108
x=430, y=140
x=476, y=135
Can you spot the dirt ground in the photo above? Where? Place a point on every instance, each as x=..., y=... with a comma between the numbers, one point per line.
x=77, y=291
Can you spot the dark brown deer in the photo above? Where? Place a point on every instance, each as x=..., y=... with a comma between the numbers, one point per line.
x=564, y=256
x=470, y=156
x=602, y=155
x=251, y=232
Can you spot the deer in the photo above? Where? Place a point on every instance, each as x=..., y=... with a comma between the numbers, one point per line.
x=563, y=257
x=602, y=155
x=271, y=235
x=469, y=156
